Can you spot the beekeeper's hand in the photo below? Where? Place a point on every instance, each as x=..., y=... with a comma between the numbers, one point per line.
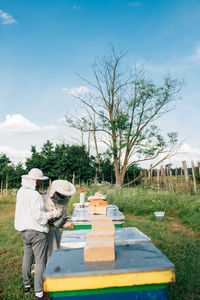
x=56, y=213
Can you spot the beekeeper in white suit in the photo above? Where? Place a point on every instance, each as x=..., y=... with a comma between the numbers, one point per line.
x=57, y=197
x=31, y=219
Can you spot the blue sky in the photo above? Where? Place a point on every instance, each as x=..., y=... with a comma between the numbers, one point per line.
x=44, y=43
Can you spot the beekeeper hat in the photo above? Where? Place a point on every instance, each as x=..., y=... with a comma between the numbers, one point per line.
x=63, y=187
x=36, y=174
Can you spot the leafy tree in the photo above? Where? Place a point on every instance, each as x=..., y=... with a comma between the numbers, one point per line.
x=61, y=161
x=79, y=162
x=4, y=167
x=35, y=161
x=124, y=107
x=19, y=170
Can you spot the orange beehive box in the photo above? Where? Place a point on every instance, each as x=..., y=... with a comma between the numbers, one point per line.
x=98, y=202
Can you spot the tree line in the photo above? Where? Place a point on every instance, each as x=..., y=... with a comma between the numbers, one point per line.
x=62, y=161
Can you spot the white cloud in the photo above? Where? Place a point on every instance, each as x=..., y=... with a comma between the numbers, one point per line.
x=183, y=63
x=195, y=57
x=18, y=124
x=14, y=154
x=6, y=18
x=62, y=120
x=135, y=4
x=76, y=91
x=76, y=7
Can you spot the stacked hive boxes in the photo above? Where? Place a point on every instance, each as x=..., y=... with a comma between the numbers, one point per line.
x=97, y=206
x=100, y=243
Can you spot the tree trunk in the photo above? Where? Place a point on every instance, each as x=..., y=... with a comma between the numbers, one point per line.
x=97, y=152
x=73, y=178
x=6, y=183
x=96, y=176
x=117, y=175
x=1, y=186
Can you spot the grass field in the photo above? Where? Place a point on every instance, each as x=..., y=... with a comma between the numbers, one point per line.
x=177, y=236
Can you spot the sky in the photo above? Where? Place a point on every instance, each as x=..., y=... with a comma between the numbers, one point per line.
x=44, y=44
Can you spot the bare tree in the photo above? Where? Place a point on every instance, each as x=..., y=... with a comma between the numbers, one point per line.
x=126, y=105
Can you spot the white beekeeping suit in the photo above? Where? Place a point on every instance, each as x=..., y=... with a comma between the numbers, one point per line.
x=57, y=197
x=31, y=219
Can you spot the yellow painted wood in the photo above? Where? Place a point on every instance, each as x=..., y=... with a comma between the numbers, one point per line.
x=99, y=282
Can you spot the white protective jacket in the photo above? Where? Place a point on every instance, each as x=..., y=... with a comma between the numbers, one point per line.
x=30, y=213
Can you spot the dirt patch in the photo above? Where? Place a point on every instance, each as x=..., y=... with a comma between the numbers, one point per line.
x=177, y=226
x=173, y=225
x=8, y=215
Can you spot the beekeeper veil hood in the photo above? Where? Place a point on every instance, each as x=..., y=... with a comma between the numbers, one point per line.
x=62, y=187
x=29, y=181
x=58, y=188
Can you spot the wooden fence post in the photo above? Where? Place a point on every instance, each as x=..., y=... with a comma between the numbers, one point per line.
x=145, y=177
x=176, y=175
x=167, y=177
x=151, y=175
x=171, y=179
x=194, y=178
x=164, y=178
x=187, y=181
x=140, y=174
x=158, y=178
x=182, y=182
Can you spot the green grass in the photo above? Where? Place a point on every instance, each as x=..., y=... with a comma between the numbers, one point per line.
x=177, y=236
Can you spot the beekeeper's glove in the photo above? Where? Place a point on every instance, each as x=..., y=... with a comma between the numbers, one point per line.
x=56, y=213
